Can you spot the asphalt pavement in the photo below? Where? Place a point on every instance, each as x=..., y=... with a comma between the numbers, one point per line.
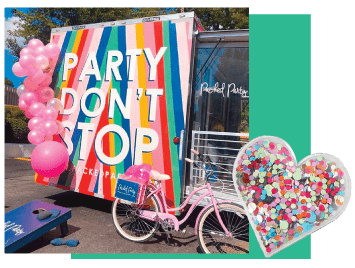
x=91, y=221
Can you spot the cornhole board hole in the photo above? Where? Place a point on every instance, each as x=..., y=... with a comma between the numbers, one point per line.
x=22, y=225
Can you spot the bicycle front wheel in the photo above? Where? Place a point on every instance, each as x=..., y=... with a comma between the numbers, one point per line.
x=212, y=237
x=128, y=222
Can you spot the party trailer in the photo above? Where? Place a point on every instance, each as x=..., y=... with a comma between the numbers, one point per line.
x=147, y=91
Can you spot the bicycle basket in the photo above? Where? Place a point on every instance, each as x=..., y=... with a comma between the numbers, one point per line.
x=133, y=184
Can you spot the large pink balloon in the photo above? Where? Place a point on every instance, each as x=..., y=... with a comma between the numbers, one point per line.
x=22, y=104
x=27, y=51
x=27, y=61
x=36, y=136
x=35, y=122
x=46, y=94
x=50, y=159
x=36, y=108
x=29, y=97
x=18, y=70
x=49, y=127
x=30, y=85
x=49, y=113
x=52, y=51
x=34, y=44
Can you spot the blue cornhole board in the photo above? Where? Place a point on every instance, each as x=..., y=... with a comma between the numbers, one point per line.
x=22, y=225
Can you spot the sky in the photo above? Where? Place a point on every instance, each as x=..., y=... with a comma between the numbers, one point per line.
x=9, y=60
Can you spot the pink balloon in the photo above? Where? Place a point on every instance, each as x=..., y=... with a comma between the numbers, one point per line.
x=18, y=70
x=41, y=62
x=37, y=76
x=35, y=122
x=28, y=114
x=36, y=108
x=27, y=51
x=46, y=94
x=34, y=44
x=22, y=104
x=60, y=127
x=40, y=51
x=30, y=97
x=52, y=63
x=50, y=159
x=47, y=80
x=30, y=84
x=27, y=61
x=52, y=50
x=49, y=113
x=36, y=136
x=49, y=127
x=48, y=138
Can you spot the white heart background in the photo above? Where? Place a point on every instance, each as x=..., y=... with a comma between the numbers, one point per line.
x=286, y=201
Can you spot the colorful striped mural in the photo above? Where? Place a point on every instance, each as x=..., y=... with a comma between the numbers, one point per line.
x=87, y=173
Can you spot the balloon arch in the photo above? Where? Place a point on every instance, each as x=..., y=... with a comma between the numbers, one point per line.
x=37, y=61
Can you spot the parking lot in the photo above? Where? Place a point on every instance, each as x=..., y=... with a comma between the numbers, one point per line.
x=91, y=221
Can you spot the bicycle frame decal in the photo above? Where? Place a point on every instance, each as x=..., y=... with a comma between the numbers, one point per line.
x=125, y=91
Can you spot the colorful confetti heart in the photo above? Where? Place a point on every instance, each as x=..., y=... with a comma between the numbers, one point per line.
x=286, y=201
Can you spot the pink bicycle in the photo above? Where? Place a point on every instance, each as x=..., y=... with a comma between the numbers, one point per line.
x=221, y=226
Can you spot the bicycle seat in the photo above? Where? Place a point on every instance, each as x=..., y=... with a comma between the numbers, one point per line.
x=159, y=177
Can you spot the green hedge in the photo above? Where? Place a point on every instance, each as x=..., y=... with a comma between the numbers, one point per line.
x=16, y=129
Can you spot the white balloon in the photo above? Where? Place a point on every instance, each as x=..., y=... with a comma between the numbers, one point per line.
x=56, y=104
x=21, y=90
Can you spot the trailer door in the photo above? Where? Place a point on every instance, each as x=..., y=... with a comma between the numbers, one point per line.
x=220, y=121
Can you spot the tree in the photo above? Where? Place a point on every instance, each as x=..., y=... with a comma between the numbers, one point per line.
x=222, y=18
x=38, y=22
x=8, y=82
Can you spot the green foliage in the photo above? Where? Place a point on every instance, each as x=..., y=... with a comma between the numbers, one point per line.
x=244, y=117
x=8, y=82
x=222, y=18
x=16, y=129
x=38, y=22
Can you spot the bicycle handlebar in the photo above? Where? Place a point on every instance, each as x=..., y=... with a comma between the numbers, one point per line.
x=189, y=160
x=204, y=161
x=197, y=153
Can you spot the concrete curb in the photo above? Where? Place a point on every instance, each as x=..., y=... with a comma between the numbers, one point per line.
x=18, y=150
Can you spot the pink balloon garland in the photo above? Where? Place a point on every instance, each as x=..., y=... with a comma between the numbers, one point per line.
x=38, y=101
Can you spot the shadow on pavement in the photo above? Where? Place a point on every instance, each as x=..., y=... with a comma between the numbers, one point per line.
x=72, y=199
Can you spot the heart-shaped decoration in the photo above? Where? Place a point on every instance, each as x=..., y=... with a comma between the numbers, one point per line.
x=286, y=201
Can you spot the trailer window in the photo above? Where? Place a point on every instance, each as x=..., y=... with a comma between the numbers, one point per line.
x=221, y=83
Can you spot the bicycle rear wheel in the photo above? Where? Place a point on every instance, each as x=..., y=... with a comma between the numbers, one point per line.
x=212, y=237
x=128, y=222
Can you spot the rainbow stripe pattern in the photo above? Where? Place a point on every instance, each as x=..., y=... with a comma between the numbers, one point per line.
x=90, y=176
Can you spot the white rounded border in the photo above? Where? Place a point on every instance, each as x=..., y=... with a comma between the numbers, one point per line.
x=328, y=157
